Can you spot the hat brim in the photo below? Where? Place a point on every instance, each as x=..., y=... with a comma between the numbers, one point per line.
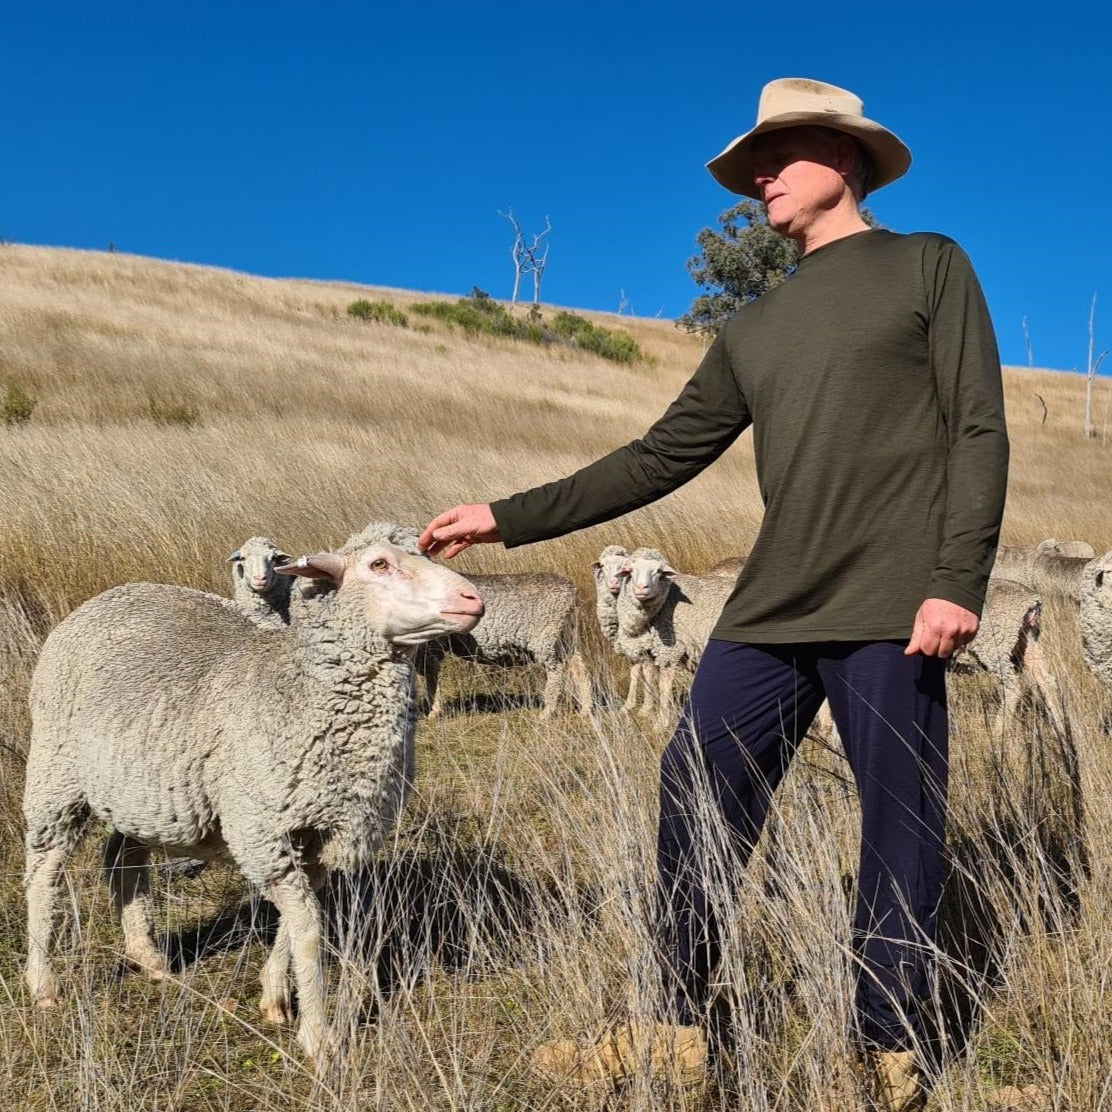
x=733, y=168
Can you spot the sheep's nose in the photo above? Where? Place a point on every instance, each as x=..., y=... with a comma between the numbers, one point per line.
x=471, y=602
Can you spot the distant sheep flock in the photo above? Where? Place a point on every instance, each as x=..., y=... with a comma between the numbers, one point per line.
x=276, y=728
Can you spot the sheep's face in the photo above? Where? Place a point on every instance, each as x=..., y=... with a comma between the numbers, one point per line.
x=1099, y=574
x=402, y=598
x=648, y=578
x=610, y=569
x=255, y=564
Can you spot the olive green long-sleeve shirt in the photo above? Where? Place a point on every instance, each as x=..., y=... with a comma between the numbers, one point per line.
x=872, y=382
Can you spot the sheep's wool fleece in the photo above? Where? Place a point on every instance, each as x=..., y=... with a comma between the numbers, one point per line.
x=226, y=738
x=872, y=381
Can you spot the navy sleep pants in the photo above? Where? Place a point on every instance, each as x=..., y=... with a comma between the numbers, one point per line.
x=749, y=708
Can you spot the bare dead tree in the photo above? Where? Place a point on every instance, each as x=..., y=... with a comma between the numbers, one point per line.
x=528, y=258
x=1091, y=372
x=538, y=259
x=517, y=252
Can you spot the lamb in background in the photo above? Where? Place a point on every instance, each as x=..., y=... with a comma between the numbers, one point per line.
x=1096, y=618
x=168, y=713
x=610, y=572
x=531, y=618
x=1007, y=646
x=1017, y=561
x=729, y=566
x=257, y=586
x=669, y=616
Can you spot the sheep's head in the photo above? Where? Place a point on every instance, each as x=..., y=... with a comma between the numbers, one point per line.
x=255, y=564
x=650, y=574
x=403, y=598
x=609, y=568
x=1097, y=581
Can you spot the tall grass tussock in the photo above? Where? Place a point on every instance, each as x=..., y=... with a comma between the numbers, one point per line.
x=180, y=409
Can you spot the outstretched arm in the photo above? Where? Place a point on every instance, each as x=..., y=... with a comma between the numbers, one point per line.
x=454, y=530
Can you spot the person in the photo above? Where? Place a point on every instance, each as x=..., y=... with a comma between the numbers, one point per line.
x=872, y=383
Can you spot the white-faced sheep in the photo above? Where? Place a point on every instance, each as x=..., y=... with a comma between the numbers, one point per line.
x=1096, y=618
x=611, y=575
x=669, y=615
x=168, y=713
x=256, y=584
x=1007, y=646
x=530, y=618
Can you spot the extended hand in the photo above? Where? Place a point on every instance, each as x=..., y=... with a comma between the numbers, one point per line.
x=449, y=533
x=941, y=628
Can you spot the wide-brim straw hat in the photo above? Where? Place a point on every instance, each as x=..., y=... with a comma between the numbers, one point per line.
x=799, y=101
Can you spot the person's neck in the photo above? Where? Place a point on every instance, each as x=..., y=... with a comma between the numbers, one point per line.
x=839, y=223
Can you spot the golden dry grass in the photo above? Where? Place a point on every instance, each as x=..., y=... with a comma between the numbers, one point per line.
x=182, y=409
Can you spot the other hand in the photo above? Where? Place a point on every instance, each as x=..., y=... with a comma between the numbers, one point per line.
x=449, y=533
x=941, y=628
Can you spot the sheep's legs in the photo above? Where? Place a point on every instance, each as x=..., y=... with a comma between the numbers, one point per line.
x=581, y=681
x=635, y=677
x=650, y=688
x=429, y=669
x=665, y=709
x=301, y=923
x=44, y=869
x=275, y=1004
x=127, y=864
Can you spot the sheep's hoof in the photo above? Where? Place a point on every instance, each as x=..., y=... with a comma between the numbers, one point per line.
x=278, y=1012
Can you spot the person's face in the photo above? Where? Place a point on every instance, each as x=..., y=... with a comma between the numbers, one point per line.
x=799, y=172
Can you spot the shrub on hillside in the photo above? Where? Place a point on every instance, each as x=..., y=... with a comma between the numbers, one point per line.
x=617, y=346
x=16, y=404
x=381, y=312
x=481, y=314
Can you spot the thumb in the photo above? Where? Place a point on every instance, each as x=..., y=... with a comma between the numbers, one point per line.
x=913, y=646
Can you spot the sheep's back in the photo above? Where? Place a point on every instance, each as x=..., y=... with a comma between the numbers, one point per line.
x=131, y=696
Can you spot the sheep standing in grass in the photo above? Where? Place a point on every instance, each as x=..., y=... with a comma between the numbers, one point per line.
x=257, y=585
x=530, y=618
x=611, y=574
x=1007, y=646
x=669, y=615
x=168, y=713
x=1096, y=618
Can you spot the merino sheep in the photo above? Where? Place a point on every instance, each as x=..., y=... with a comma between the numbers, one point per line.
x=168, y=713
x=1096, y=618
x=1017, y=561
x=669, y=616
x=1007, y=646
x=531, y=618
x=256, y=584
x=730, y=566
x=611, y=574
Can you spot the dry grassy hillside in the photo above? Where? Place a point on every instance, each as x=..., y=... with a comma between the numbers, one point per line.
x=181, y=409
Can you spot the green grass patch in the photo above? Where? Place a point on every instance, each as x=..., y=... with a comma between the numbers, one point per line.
x=480, y=314
x=381, y=312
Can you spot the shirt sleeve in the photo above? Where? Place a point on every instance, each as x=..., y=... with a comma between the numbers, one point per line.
x=967, y=373
x=705, y=419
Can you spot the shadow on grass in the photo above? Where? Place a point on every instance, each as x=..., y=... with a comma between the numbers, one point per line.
x=1017, y=870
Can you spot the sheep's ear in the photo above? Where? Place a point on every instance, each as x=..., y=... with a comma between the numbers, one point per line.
x=237, y=555
x=281, y=559
x=324, y=565
x=668, y=571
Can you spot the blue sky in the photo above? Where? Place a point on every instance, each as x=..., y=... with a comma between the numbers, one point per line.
x=377, y=143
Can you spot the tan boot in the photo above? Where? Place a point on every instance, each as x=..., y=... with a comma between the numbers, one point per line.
x=662, y=1051
x=898, y=1080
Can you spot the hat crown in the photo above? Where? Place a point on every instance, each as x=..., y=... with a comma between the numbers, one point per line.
x=801, y=94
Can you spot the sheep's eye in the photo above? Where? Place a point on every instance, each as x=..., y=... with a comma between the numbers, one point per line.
x=239, y=569
x=381, y=564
